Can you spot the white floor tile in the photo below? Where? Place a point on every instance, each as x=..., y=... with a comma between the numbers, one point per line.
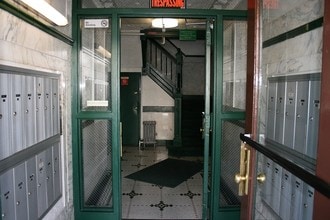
x=142, y=200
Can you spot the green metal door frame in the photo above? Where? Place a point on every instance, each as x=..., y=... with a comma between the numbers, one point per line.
x=114, y=114
x=81, y=212
x=220, y=116
x=207, y=117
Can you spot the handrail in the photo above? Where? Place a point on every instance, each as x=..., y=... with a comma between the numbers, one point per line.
x=316, y=182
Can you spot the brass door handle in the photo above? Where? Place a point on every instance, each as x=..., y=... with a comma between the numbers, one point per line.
x=239, y=178
x=242, y=178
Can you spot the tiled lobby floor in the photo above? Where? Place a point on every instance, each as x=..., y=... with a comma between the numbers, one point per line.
x=141, y=200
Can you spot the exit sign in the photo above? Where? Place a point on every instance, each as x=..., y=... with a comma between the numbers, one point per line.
x=167, y=4
x=188, y=35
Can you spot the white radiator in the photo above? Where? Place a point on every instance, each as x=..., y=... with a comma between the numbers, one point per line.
x=149, y=133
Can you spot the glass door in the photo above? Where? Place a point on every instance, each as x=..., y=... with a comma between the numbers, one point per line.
x=207, y=118
x=229, y=116
x=96, y=112
x=96, y=170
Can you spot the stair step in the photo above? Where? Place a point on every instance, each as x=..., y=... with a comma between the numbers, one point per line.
x=191, y=122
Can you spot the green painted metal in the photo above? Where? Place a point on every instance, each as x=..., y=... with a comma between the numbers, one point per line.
x=209, y=208
x=188, y=35
x=228, y=213
x=116, y=119
x=317, y=23
x=74, y=107
x=207, y=117
x=177, y=142
x=114, y=116
x=219, y=117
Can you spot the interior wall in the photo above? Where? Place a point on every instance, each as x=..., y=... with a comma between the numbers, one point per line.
x=131, y=53
x=234, y=64
x=157, y=106
x=295, y=56
x=26, y=46
x=193, y=69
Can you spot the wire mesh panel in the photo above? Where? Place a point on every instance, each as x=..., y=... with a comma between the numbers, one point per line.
x=97, y=169
x=230, y=162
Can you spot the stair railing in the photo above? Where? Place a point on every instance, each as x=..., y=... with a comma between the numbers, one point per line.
x=162, y=66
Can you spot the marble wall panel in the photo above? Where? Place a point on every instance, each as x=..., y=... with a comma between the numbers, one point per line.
x=290, y=15
x=299, y=55
x=63, y=6
x=25, y=46
x=295, y=56
x=234, y=66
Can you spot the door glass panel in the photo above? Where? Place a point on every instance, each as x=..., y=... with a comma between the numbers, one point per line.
x=288, y=104
x=282, y=195
x=95, y=64
x=234, y=65
x=230, y=162
x=96, y=163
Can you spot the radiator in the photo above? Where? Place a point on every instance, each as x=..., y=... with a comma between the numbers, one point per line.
x=149, y=133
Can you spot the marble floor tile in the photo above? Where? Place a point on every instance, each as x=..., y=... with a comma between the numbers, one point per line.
x=142, y=200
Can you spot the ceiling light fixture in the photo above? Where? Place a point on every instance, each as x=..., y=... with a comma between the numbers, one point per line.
x=164, y=23
x=104, y=52
x=48, y=11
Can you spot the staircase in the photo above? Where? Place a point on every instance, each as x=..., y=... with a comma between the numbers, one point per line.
x=165, y=69
x=191, y=124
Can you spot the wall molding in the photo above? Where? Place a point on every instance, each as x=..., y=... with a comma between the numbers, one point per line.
x=294, y=32
x=158, y=108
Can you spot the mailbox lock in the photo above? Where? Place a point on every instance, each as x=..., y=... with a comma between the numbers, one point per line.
x=3, y=215
x=15, y=113
x=27, y=111
x=18, y=202
x=0, y=116
x=29, y=193
x=261, y=178
x=39, y=185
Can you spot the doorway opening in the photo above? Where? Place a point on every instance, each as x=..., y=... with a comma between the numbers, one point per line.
x=162, y=80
